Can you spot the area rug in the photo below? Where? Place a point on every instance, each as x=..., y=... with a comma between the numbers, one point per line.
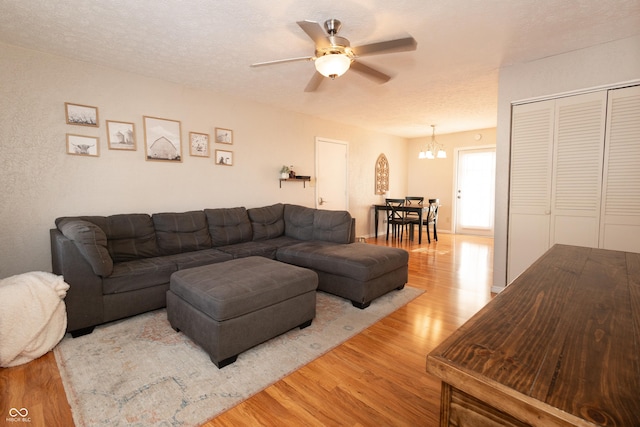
x=141, y=372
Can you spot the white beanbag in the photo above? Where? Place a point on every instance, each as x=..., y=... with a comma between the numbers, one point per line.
x=33, y=317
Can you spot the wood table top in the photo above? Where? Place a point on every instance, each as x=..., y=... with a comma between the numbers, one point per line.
x=563, y=339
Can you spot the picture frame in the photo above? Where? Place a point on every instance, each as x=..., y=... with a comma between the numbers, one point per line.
x=83, y=145
x=162, y=139
x=224, y=136
x=121, y=135
x=81, y=115
x=199, y=144
x=224, y=157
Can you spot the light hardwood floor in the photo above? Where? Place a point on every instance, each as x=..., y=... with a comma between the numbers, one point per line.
x=376, y=378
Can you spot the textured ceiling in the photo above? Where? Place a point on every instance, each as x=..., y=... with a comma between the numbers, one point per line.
x=451, y=80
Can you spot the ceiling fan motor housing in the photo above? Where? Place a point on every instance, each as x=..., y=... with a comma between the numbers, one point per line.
x=332, y=26
x=337, y=45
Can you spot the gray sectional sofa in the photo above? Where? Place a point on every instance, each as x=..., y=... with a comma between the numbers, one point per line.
x=119, y=266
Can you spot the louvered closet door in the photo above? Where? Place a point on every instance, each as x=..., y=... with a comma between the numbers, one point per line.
x=529, y=185
x=620, y=220
x=577, y=169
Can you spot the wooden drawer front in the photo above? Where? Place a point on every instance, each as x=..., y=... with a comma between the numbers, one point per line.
x=467, y=411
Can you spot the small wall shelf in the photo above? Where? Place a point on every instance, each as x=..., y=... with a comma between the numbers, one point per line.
x=304, y=181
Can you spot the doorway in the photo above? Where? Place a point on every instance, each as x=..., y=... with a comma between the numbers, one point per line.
x=332, y=174
x=475, y=190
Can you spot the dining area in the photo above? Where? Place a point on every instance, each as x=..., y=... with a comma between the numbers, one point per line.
x=404, y=215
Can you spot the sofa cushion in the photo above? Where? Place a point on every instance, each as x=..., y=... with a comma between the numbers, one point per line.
x=181, y=232
x=281, y=241
x=138, y=274
x=228, y=226
x=198, y=258
x=129, y=236
x=267, y=222
x=91, y=242
x=298, y=222
x=247, y=249
x=332, y=226
x=360, y=261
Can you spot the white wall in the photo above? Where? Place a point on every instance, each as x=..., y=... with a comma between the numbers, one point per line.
x=41, y=182
x=605, y=64
x=434, y=179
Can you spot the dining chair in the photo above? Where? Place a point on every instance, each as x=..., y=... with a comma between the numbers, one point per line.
x=432, y=218
x=413, y=218
x=395, y=217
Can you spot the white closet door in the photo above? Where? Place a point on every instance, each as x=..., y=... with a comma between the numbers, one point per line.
x=577, y=169
x=530, y=184
x=620, y=222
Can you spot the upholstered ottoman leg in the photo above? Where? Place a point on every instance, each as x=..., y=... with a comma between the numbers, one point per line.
x=306, y=324
x=360, y=305
x=222, y=363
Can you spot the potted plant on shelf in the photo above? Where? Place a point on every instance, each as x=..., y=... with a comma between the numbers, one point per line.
x=284, y=172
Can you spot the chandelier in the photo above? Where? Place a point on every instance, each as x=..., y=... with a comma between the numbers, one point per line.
x=433, y=147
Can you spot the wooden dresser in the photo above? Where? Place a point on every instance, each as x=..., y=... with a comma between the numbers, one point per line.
x=560, y=346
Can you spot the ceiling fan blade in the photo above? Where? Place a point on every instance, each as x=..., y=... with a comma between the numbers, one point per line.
x=369, y=72
x=280, y=61
x=389, y=46
x=315, y=31
x=315, y=81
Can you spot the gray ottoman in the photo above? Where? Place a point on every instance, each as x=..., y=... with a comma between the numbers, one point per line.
x=231, y=306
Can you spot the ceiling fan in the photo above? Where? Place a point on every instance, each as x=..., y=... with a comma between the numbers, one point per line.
x=334, y=54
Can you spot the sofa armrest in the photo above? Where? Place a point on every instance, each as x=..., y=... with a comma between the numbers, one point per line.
x=91, y=242
x=84, y=297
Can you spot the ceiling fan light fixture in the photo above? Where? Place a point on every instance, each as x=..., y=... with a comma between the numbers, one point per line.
x=333, y=64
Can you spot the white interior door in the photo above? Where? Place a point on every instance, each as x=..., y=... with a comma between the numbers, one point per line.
x=577, y=169
x=332, y=174
x=475, y=191
x=620, y=217
x=530, y=184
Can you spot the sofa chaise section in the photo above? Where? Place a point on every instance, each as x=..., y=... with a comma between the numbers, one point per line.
x=359, y=272
x=356, y=271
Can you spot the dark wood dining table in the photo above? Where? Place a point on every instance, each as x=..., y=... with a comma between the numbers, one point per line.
x=415, y=209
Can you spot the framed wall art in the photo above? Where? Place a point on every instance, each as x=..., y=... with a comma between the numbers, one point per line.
x=199, y=144
x=224, y=136
x=162, y=141
x=224, y=157
x=382, y=174
x=81, y=145
x=121, y=135
x=81, y=115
